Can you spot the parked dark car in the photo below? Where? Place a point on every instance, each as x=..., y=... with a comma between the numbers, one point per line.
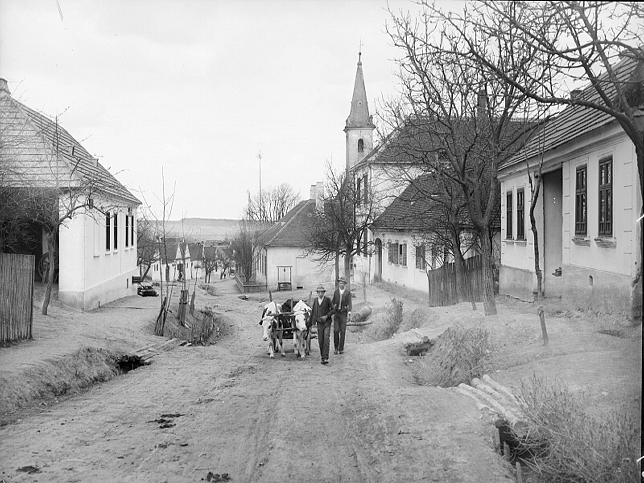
x=145, y=289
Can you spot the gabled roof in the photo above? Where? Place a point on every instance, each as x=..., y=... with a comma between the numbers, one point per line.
x=292, y=229
x=173, y=249
x=576, y=121
x=46, y=155
x=196, y=251
x=414, y=208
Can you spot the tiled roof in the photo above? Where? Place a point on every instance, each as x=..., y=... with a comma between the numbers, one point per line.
x=292, y=229
x=575, y=121
x=196, y=251
x=49, y=154
x=414, y=208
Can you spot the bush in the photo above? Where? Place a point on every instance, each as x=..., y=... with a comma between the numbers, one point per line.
x=458, y=356
x=580, y=448
x=388, y=323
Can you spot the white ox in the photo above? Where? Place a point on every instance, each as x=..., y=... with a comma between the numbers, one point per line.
x=271, y=321
x=302, y=312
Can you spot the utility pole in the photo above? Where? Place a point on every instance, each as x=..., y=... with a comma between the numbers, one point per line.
x=261, y=197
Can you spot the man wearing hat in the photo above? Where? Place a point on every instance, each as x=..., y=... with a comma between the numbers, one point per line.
x=321, y=314
x=342, y=309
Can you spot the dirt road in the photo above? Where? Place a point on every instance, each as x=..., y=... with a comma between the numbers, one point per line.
x=229, y=409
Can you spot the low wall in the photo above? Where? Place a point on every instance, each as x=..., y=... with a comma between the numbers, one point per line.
x=596, y=290
x=517, y=282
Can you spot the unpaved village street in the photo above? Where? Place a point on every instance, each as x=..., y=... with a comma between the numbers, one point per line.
x=229, y=409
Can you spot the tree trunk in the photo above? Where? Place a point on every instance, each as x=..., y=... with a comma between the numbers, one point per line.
x=51, y=249
x=489, y=303
x=535, y=234
x=462, y=281
x=347, y=270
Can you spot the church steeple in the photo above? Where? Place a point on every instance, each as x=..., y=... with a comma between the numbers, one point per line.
x=359, y=116
x=359, y=126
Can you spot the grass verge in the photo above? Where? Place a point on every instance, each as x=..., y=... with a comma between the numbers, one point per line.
x=459, y=355
x=579, y=447
x=57, y=377
x=387, y=323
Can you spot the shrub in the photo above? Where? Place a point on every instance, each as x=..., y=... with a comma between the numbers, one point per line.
x=388, y=323
x=458, y=356
x=581, y=448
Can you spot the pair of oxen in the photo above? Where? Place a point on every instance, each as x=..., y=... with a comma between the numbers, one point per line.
x=276, y=318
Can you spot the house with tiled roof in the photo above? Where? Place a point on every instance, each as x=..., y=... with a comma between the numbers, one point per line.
x=586, y=214
x=173, y=261
x=96, y=244
x=413, y=232
x=281, y=260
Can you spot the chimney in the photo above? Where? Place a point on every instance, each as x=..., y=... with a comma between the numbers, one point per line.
x=575, y=94
x=313, y=192
x=4, y=88
x=319, y=196
x=481, y=107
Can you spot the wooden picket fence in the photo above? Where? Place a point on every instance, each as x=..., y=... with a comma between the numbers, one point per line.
x=442, y=282
x=16, y=296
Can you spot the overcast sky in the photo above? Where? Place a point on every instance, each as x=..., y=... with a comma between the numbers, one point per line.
x=200, y=87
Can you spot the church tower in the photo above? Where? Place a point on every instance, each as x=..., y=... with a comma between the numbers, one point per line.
x=359, y=127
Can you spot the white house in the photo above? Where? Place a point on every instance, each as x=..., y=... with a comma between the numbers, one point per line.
x=411, y=236
x=172, y=261
x=586, y=214
x=97, y=245
x=281, y=259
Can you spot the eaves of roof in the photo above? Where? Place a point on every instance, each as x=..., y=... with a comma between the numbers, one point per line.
x=574, y=121
x=70, y=155
x=292, y=229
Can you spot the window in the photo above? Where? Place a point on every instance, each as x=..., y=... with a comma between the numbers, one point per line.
x=580, y=200
x=365, y=191
x=116, y=231
x=420, y=257
x=402, y=252
x=393, y=252
x=108, y=230
x=606, y=197
x=508, y=216
x=358, y=193
x=132, y=230
x=360, y=145
x=520, y=215
x=127, y=231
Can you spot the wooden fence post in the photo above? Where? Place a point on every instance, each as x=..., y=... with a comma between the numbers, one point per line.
x=544, y=332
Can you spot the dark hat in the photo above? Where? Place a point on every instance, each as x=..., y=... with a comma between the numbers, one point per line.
x=320, y=289
x=341, y=279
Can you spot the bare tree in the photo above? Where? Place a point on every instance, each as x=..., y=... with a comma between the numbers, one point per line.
x=472, y=119
x=562, y=46
x=243, y=244
x=146, y=245
x=209, y=262
x=272, y=204
x=338, y=229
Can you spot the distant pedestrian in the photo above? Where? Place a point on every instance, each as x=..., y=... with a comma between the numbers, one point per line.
x=321, y=314
x=342, y=311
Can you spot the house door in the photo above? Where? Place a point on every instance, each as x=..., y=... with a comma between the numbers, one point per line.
x=377, y=276
x=552, y=233
x=284, y=277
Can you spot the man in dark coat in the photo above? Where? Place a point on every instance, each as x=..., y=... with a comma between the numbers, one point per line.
x=321, y=314
x=342, y=309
